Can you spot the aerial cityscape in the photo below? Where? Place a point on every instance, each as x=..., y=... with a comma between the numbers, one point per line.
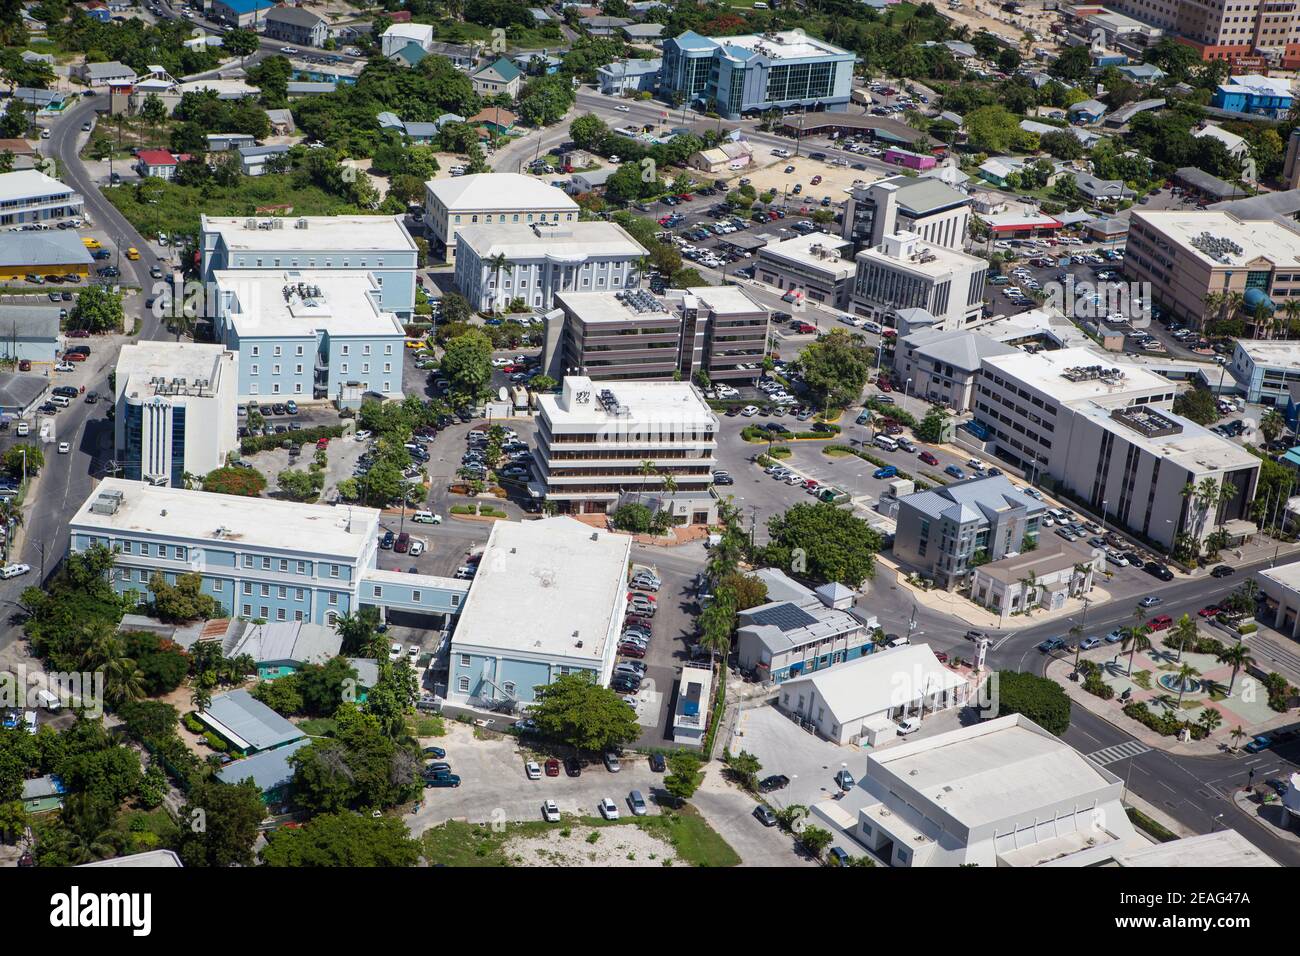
x=649, y=433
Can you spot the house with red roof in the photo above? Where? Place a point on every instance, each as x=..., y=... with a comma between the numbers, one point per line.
x=157, y=163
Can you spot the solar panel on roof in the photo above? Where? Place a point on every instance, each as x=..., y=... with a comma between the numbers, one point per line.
x=787, y=617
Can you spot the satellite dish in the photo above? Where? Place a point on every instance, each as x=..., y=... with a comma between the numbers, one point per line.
x=502, y=394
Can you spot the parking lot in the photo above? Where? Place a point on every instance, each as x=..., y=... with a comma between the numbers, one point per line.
x=494, y=785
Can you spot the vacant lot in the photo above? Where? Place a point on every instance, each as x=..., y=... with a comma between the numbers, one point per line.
x=680, y=837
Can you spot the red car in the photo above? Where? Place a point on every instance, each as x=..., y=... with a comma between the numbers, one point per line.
x=322, y=443
x=510, y=368
x=685, y=197
x=1160, y=623
x=640, y=594
x=1209, y=610
x=884, y=386
x=78, y=334
x=928, y=458
x=74, y=357
x=807, y=329
x=772, y=217
x=889, y=333
x=552, y=768
x=636, y=620
x=631, y=650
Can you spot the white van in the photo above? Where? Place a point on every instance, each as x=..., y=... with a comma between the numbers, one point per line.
x=60, y=400
x=23, y=429
x=47, y=699
x=885, y=442
x=426, y=517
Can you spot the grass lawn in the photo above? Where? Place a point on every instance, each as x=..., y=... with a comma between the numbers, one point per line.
x=833, y=451
x=430, y=726
x=148, y=829
x=318, y=726
x=466, y=844
x=177, y=212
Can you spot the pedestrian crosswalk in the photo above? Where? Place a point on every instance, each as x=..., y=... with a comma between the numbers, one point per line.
x=1108, y=755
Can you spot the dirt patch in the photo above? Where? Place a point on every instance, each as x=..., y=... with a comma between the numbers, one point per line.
x=613, y=846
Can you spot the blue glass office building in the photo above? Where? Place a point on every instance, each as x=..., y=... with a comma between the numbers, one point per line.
x=743, y=75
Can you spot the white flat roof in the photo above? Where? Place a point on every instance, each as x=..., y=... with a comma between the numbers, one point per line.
x=994, y=770
x=1223, y=848
x=592, y=307
x=726, y=299
x=785, y=45
x=325, y=233
x=27, y=184
x=927, y=259
x=140, y=362
x=650, y=404
x=815, y=250
x=544, y=587
x=568, y=240
x=231, y=520
x=1272, y=354
x=1285, y=575
x=505, y=191
x=1246, y=239
x=1195, y=448
x=337, y=302
x=1045, y=372
x=880, y=681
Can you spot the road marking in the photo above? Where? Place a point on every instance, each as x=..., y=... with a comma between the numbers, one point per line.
x=1109, y=755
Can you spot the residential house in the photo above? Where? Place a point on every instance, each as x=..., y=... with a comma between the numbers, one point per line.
x=497, y=77
x=296, y=25
x=791, y=636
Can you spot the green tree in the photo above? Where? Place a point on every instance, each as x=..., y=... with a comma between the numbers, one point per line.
x=343, y=839
x=1236, y=656
x=219, y=824
x=835, y=368
x=576, y=711
x=815, y=840
x=24, y=456
x=931, y=428
x=1198, y=404
x=1040, y=699
x=247, y=482
x=98, y=309
x=748, y=590
x=240, y=43
x=297, y=485
x=467, y=364
x=744, y=769
x=823, y=543
x=183, y=601
x=683, y=777
x=1135, y=639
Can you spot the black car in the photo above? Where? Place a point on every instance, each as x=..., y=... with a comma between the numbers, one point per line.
x=1221, y=571
x=657, y=763
x=573, y=766
x=1157, y=570
x=774, y=782
x=436, y=752
x=723, y=480
x=386, y=542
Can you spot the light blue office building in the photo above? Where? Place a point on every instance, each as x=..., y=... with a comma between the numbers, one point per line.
x=749, y=74
x=377, y=244
x=548, y=599
x=308, y=334
x=261, y=558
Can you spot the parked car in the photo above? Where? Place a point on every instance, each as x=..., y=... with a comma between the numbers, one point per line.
x=1157, y=570
x=611, y=762
x=844, y=780
x=637, y=803
x=775, y=782
x=657, y=763
x=1088, y=643
x=573, y=766
x=550, y=812
x=1221, y=571
x=928, y=458
x=908, y=725
x=608, y=809
x=1259, y=742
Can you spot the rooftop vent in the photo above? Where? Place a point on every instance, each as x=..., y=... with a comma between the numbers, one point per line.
x=1218, y=248
x=107, y=503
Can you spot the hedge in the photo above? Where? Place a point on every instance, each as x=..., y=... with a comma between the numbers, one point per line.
x=251, y=446
x=891, y=411
x=866, y=456
x=1162, y=724
x=1149, y=826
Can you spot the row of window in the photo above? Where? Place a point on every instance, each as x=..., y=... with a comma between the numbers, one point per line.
x=276, y=263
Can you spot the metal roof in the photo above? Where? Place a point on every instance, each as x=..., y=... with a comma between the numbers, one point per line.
x=250, y=720
x=46, y=248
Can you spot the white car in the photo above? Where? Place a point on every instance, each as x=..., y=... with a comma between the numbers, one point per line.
x=623, y=109
x=608, y=809
x=64, y=448
x=908, y=725
x=394, y=652
x=288, y=50
x=417, y=547
x=498, y=362
x=749, y=411
x=65, y=367
x=550, y=812
x=14, y=570
x=413, y=652
x=362, y=436
x=533, y=771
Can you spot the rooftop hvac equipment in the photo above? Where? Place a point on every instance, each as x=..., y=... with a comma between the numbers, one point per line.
x=639, y=301
x=107, y=503
x=300, y=224
x=610, y=403
x=1218, y=248
x=1094, y=373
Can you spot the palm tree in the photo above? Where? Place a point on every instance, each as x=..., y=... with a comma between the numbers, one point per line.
x=123, y=681
x=1238, y=734
x=1209, y=720
x=1291, y=307
x=1185, y=675
x=1213, y=307
x=498, y=264
x=11, y=516
x=669, y=482
x=1272, y=423
x=1079, y=573
x=646, y=469
x=200, y=697
x=1185, y=631
x=1239, y=656
x=99, y=645
x=1135, y=639
x=1207, y=494
x=642, y=267
x=1028, y=590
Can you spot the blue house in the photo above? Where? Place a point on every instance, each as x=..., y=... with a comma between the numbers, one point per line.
x=1260, y=95
x=270, y=770
x=1088, y=111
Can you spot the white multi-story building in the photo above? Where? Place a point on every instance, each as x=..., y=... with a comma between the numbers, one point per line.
x=175, y=410
x=815, y=266
x=905, y=272
x=377, y=244
x=309, y=334
x=568, y=581
x=28, y=195
x=542, y=259
x=593, y=439
x=1001, y=792
x=397, y=36
x=261, y=558
x=1107, y=436
x=931, y=209
x=490, y=198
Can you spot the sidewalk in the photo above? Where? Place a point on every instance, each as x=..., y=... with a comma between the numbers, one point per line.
x=1271, y=816
x=1112, y=711
x=954, y=605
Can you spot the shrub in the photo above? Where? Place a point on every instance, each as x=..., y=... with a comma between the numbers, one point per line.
x=251, y=446
x=1164, y=724
x=193, y=724
x=1041, y=700
x=215, y=742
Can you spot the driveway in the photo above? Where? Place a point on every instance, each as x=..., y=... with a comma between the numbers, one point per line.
x=494, y=786
x=782, y=747
x=731, y=812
